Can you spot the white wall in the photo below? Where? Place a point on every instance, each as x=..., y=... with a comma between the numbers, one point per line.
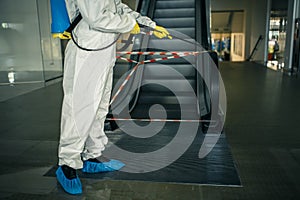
x=237, y=25
x=218, y=5
x=259, y=27
x=237, y=45
x=254, y=21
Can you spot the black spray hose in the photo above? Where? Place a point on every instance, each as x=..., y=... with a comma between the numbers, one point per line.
x=144, y=30
x=149, y=29
x=99, y=49
x=69, y=34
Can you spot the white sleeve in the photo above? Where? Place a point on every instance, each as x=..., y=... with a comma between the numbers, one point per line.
x=123, y=8
x=101, y=15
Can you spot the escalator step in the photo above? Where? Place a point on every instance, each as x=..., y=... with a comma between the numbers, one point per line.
x=174, y=44
x=157, y=79
x=176, y=22
x=185, y=60
x=179, y=85
x=144, y=99
x=174, y=111
x=160, y=71
x=175, y=4
x=174, y=13
x=189, y=31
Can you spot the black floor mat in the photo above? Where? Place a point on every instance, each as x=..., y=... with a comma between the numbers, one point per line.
x=217, y=168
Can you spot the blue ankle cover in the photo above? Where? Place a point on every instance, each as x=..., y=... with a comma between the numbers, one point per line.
x=94, y=167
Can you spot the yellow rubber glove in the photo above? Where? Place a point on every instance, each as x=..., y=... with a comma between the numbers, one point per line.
x=64, y=36
x=161, y=32
x=136, y=29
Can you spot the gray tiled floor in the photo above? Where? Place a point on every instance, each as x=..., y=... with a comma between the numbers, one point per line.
x=262, y=128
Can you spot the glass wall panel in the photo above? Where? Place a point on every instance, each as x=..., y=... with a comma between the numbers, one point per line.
x=277, y=34
x=51, y=48
x=28, y=54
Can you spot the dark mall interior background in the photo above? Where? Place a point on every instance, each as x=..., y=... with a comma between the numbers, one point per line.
x=33, y=59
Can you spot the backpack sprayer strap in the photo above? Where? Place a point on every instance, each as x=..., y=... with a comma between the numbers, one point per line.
x=67, y=33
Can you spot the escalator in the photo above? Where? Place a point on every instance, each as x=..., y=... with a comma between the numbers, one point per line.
x=184, y=90
x=179, y=86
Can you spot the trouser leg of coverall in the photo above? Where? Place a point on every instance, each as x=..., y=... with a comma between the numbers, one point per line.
x=84, y=81
x=97, y=139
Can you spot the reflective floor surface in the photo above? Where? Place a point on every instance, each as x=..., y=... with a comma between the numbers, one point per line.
x=262, y=130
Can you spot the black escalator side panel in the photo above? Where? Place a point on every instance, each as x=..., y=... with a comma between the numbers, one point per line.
x=202, y=35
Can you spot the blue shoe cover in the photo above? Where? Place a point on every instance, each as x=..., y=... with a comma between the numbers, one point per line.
x=94, y=167
x=71, y=186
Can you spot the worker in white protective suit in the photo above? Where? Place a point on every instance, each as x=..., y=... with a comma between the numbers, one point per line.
x=87, y=86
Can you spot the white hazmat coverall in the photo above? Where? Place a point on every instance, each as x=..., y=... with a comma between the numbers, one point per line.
x=87, y=78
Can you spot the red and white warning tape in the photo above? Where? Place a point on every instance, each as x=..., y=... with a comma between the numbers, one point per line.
x=158, y=120
x=170, y=55
x=173, y=55
x=149, y=61
x=185, y=53
x=124, y=83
